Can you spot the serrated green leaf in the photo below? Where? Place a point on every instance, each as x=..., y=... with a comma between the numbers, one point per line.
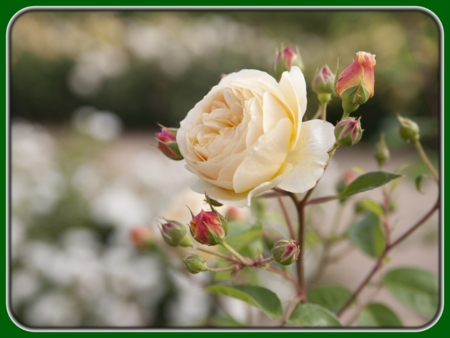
x=366, y=234
x=418, y=289
x=379, y=315
x=313, y=315
x=257, y=296
x=331, y=297
x=368, y=181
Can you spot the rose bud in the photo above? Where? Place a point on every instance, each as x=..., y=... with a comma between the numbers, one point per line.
x=382, y=153
x=195, y=264
x=143, y=237
x=356, y=83
x=167, y=143
x=323, y=84
x=409, y=130
x=235, y=214
x=285, y=251
x=174, y=234
x=348, y=178
x=348, y=132
x=285, y=59
x=208, y=227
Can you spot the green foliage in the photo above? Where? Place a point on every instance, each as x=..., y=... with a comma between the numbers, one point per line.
x=377, y=314
x=257, y=296
x=313, y=315
x=418, y=289
x=368, y=204
x=367, y=235
x=368, y=181
x=331, y=297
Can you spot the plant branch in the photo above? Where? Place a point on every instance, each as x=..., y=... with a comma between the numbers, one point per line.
x=425, y=158
x=218, y=254
x=236, y=254
x=286, y=276
x=322, y=200
x=288, y=219
x=380, y=260
x=227, y=268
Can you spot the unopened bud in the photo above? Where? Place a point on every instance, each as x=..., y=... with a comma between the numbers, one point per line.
x=382, y=153
x=208, y=227
x=195, y=264
x=285, y=59
x=167, y=143
x=348, y=132
x=323, y=84
x=409, y=130
x=174, y=234
x=356, y=83
x=348, y=178
x=143, y=237
x=285, y=251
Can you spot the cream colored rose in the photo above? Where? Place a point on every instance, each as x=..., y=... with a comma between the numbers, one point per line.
x=247, y=136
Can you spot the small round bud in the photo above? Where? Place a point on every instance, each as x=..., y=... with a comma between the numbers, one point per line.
x=323, y=84
x=348, y=132
x=208, y=227
x=285, y=251
x=167, y=143
x=382, y=153
x=285, y=59
x=174, y=234
x=409, y=130
x=195, y=264
x=143, y=237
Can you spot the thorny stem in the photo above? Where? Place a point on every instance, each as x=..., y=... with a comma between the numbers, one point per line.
x=288, y=219
x=380, y=260
x=236, y=254
x=424, y=157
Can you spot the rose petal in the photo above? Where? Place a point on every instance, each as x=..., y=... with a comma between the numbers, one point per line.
x=309, y=157
x=251, y=74
x=264, y=159
x=273, y=110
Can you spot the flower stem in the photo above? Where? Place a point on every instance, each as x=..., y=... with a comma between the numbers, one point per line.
x=235, y=253
x=425, y=159
x=380, y=260
x=227, y=268
x=323, y=111
x=288, y=219
x=218, y=254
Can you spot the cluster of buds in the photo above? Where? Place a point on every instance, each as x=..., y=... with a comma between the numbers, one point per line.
x=167, y=143
x=409, y=130
x=348, y=132
x=174, y=234
x=356, y=83
x=285, y=251
x=285, y=59
x=323, y=84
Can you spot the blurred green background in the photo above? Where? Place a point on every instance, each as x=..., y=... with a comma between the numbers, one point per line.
x=86, y=92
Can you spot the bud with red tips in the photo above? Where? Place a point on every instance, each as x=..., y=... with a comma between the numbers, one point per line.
x=174, y=234
x=286, y=58
x=167, y=143
x=285, y=251
x=323, y=84
x=143, y=237
x=208, y=227
x=195, y=264
x=348, y=132
x=356, y=83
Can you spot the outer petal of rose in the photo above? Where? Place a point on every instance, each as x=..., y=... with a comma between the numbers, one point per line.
x=310, y=156
x=229, y=197
x=293, y=87
x=243, y=74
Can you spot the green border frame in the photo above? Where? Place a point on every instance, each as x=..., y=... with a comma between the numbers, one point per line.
x=9, y=10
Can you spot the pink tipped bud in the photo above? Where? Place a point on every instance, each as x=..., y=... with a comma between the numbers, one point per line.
x=285, y=251
x=348, y=132
x=208, y=227
x=235, y=214
x=285, y=59
x=195, y=264
x=143, y=237
x=167, y=143
x=323, y=83
x=174, y=234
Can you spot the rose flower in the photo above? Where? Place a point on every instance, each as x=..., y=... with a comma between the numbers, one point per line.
x=246, y=136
